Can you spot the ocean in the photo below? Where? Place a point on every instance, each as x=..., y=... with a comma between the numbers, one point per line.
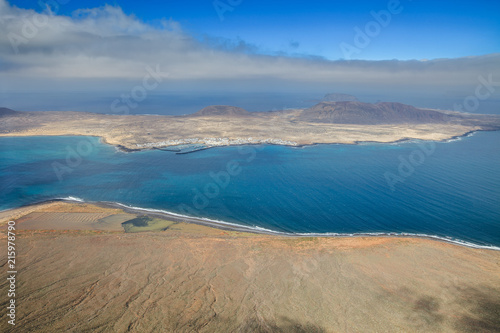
x=188, y=102
x=443, y=189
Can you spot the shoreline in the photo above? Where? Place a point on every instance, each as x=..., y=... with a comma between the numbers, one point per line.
x=229, y=226
x=355, y=143
x=125, y=149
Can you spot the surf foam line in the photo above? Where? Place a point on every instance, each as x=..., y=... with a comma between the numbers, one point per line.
x=261, y=230
x=70, y=198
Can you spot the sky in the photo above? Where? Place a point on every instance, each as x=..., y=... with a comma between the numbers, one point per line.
x=419, y=29
x=242, y=45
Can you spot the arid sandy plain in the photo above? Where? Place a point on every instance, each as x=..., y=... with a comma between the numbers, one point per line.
x=281, y=127
x=101, y=268
x=81, y=270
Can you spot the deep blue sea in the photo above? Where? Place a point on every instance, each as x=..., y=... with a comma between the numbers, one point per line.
x=445, y=189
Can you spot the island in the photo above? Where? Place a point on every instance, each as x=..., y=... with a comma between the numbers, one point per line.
x=105, y=267
x=347, y=122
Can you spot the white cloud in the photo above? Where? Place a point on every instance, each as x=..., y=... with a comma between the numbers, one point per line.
x=105, y=43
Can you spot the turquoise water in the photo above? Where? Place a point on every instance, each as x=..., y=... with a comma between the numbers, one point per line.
x=452, y=189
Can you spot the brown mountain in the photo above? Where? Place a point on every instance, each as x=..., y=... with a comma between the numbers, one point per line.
x=336, y=97
x=222, y=110
x=370, y=114
x=5, y=112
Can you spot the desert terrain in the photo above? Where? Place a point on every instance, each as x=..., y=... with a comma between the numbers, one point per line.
x=330, y=122
x=93, y=268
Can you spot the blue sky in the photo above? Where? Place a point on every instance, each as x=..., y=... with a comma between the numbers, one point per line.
x=421, y=30
x=439, y=48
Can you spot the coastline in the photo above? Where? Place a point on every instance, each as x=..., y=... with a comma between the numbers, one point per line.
x=130, y=133
x=77, y=262
x=228, y=226
x=173, y=149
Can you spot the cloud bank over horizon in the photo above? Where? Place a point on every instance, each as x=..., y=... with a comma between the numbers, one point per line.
x=106, y=45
